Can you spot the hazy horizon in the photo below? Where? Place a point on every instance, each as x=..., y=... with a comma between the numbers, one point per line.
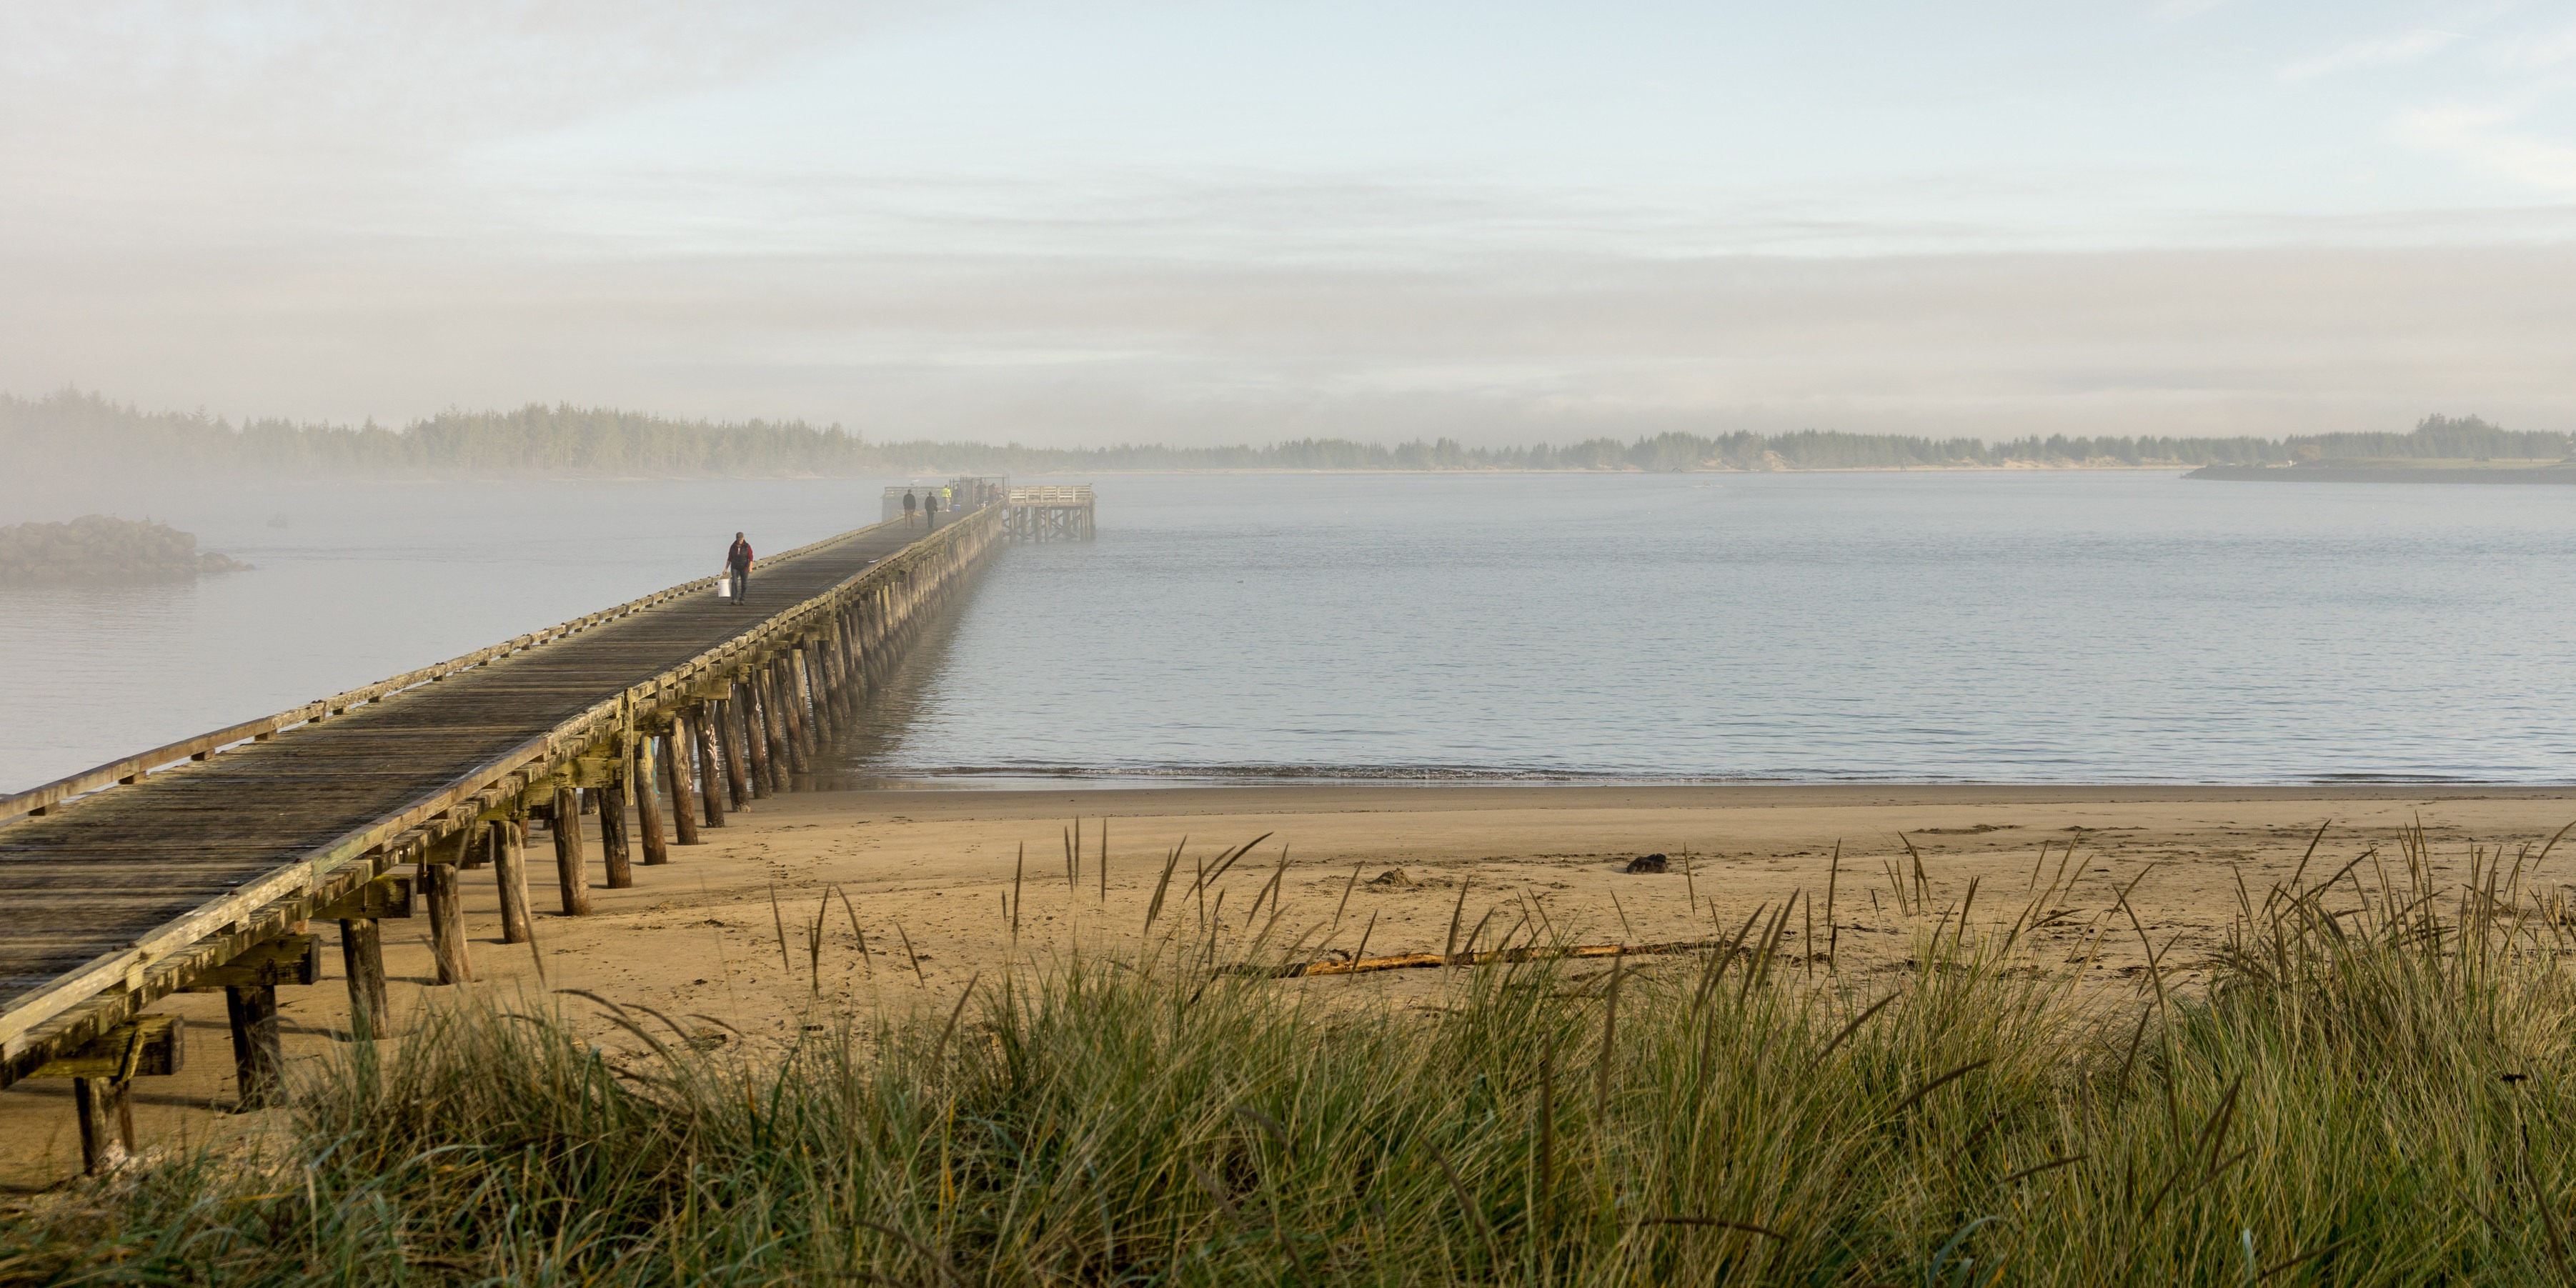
x=1150, y=222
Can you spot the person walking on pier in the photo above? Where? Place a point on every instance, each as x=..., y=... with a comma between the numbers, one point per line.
x=738, y=567
x=909, y=505
x=930, y=508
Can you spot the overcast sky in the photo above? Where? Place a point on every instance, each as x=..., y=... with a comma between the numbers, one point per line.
x=1218, y=222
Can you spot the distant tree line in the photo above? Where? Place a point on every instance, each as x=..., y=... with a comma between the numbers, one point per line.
x=72, y=430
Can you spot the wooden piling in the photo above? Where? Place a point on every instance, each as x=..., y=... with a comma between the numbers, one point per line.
x=813, y=671
x=748, y=723
x=816, y=670
x=510, y=873
x=570, y=862
x=620, y=857
x=362, y=959
x=675, y=774
x=803, y=706
x=710, y=768
x=106, y=1123
x=845, y=676
x=648, y=803
x=738, y=779
x=786, y=722
x=782, y=724
x=446, y=922
x=768, y=767
x=259, y=1060
x=771, y=727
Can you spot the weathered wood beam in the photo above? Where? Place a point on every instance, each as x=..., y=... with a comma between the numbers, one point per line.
x=147, y=1046
x=711, y=771
x=752, y=727
x=613, y=849
x=385, y=896
x=259, y=1059
x=676, y=776
x=571, y=865
x=648, y=802
x=287, y=959
x=362, y=959
x=510, y=873
x=446, y=900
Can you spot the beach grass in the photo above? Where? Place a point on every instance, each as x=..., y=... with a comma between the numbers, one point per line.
x=2372, y=1087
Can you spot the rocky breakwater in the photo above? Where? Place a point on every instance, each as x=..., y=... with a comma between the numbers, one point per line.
x=95, y=547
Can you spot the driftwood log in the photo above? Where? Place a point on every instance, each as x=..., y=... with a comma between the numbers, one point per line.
x=1415, y=961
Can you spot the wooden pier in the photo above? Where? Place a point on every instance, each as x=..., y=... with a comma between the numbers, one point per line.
x=1050, y=513
x=198, y=865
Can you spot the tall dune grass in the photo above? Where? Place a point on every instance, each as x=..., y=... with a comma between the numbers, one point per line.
x=2374, y=1089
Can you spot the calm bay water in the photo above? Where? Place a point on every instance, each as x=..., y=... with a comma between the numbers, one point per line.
x=2027, y=627
x=2031, y=627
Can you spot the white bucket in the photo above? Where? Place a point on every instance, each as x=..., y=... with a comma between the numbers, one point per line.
x=724, y=587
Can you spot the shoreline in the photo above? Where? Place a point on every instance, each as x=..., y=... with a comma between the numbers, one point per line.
x=1002, y=782
x=954, y=887
x=2512, y=476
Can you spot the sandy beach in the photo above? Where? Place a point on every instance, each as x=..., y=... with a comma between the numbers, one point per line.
x=721, y=938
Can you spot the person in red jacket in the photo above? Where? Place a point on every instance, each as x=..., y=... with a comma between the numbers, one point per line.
x=738, y=567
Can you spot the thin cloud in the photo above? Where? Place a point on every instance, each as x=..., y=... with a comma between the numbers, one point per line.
x=2547, y=51
x=2484, y=139
x=2384, y=52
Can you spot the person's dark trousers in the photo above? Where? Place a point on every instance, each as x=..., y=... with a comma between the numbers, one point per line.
x=930, y=519
x=741, y=586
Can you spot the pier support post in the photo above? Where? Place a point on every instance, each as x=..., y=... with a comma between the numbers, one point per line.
x=767, y=766
x=570, y=862
x=259, y=1059
x=362, y=958
x=106, y=1123
x=710, y=768
x=814, y=684
x=738, y=780
x=446, y=922
x=836, y=677
x=800, y=709
x=648, y=804
x=676, y=775
x=103, y=1070
x=510, y=873
x=745, y=708
x=613, y=848
x=780, y=702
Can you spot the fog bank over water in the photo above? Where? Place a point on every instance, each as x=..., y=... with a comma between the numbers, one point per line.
x=1492, y=350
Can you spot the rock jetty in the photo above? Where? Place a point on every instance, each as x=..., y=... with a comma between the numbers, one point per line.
x=96, y=547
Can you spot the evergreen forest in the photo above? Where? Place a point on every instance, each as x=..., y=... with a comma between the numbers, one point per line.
x=76, y=431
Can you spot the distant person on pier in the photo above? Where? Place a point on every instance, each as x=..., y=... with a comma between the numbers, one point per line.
x=909, y=506
x=738, y=567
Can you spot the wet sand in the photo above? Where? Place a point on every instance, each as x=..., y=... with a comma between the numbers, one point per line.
x=719, y=938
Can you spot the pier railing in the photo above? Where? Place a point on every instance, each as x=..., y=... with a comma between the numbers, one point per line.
x=1050, y=512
